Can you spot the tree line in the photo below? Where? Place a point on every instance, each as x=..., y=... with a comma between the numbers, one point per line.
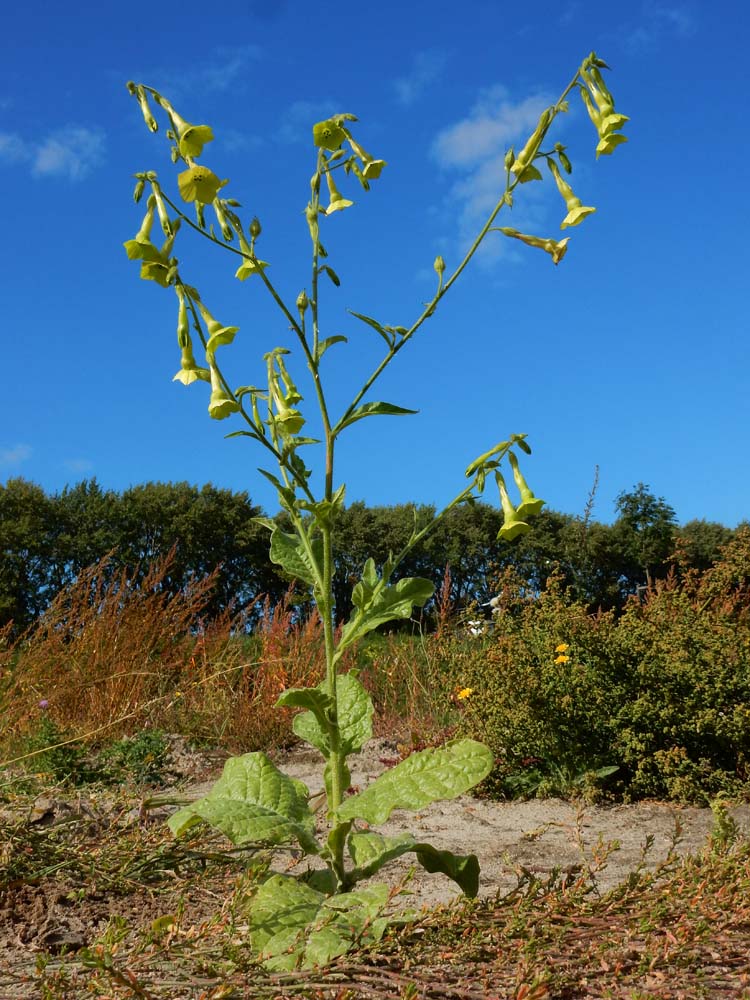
x=47, y=539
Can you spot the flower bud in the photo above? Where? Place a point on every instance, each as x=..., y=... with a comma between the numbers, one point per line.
x=439, y=266
x=302, y=302
x=149, y=119
x=255, y=228
x=509, y=158
x=140, y=185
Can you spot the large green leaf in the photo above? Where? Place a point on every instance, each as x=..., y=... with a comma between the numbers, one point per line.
x=384, y=605
x=289, y=552
x=293, y=926
x=253, y=802
x=355, y=712
x=424, y=777
x=371, y=851
x=374, y=410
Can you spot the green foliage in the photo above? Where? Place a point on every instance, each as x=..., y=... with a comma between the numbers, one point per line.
x=661, y=693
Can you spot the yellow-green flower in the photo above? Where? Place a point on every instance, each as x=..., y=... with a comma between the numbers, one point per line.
x=529, y=151
x=192, y=139
x=218, y=335
x=530, y=505
x=199, y=184
x=141, y=247
x=371, y=168
x=464, y=693
x=336, y=201
x=577, y=211
x=221, y=404
x=608, y=143
x=250, y=267
x=328, y=134
x=512, y=524
x=555, y=248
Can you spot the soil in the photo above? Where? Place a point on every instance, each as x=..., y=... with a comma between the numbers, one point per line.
x=57, y=913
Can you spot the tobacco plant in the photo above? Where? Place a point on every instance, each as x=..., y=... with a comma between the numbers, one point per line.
x=311, y=919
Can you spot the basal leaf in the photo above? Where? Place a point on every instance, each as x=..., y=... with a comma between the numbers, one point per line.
x=374, y=410
x=293, y=926
x=253, y=802
x=371, y=851
x=355, y=712
x=424, y=777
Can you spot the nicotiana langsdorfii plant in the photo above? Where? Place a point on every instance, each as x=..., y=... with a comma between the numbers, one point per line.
x=311, y=919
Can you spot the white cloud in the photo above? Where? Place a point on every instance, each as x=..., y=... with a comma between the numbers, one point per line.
x=659, y=23
x=78, y=464
x=426, y=68
x=474, y=148
x=71, y=152
x=227, y=66
x=16, y=455
x=13, y=149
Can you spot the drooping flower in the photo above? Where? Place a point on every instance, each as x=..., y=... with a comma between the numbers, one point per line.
x=530, y=505
x=371, y=168
x=577, y=211
x=251, y=264
x=555, y=248
x=218, y=335
x=336, y=200
x=513, y=525
x=221, y=404
x=141, y=247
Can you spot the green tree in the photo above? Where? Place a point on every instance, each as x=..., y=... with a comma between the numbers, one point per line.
x=26, y=518
x=700, y=542
x=645, y=530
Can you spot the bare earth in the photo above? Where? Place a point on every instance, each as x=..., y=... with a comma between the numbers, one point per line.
x=52, y=914
x=541, y=835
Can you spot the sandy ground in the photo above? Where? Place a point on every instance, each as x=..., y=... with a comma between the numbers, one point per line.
x=540, y=835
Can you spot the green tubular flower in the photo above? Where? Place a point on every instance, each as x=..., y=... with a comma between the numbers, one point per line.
x=371, y=168
x=156, y=270
x=555, y=248
x=141, y=247
x=336, y=200
x=531, y=148
x=226, y=230
x=190, y=138
x=199, y=184
x=609, y=143
x=577, y=211
x=190, y=371
x=218, y=335
x=251, y=265
x=221, y=404
x=530, y=505
x=513, y=525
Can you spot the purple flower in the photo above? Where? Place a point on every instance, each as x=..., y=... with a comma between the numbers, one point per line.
x=44, y=703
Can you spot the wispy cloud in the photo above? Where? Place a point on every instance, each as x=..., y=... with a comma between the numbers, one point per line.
x=16, y=455
x=225, y=67
x=78, y=465
x=71, y=152
x=426, y=68
x=474, y=148
x=299, y=118
x=658, y=24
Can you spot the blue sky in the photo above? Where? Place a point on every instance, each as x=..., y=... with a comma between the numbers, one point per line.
x=631, y=355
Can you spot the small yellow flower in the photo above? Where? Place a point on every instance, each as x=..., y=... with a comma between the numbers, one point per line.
x=562, y=658
x=464, y=693
x=563, y=647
